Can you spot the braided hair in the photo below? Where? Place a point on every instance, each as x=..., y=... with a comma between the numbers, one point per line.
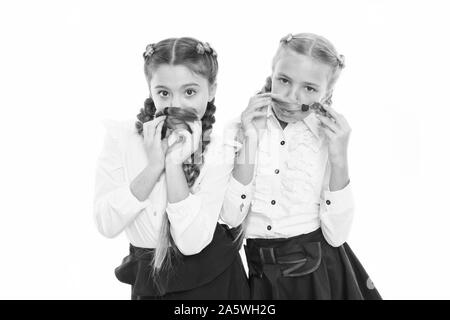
x=176, y=117
x=201, y=59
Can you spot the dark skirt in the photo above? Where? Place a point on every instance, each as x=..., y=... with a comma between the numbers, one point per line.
x=306, y=267
x=215, y=273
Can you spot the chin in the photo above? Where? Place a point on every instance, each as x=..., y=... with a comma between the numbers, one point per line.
x=291, y=117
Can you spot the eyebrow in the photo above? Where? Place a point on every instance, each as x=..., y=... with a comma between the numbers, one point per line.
x=284, y=75
x=193, y=84
x=184, y=86
x=306, y=82
x=311, y=84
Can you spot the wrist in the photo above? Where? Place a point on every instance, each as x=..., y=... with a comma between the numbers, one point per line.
x=169, y=162
x=338, y=161
x=250, y=133
x=156, y=167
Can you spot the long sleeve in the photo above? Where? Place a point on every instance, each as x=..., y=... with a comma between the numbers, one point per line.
x=336, y=212
x=238, y=197
x=194, y=219
x=114, y=204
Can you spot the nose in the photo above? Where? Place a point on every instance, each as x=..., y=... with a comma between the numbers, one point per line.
x=295, y=94
x=175, y=102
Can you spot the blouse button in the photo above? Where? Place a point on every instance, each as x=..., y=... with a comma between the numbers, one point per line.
x=243, y=196
x=273, y=202
x=269, y=227
x=282, y=143
x=328, y=202
x=277, y=171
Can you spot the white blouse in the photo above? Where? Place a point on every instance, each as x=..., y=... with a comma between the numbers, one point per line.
x=192, y=220
x=289, y=194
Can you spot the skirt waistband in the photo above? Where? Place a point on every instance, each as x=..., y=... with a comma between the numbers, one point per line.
x=282, y=250
x=142, y=253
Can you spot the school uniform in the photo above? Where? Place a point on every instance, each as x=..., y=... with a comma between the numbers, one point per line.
x=296, y=228
x=209, y=266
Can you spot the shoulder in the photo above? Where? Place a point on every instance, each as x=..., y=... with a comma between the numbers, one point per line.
x=117, y=127
x=119, y=130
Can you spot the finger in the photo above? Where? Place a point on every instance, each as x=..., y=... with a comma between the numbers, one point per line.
x=258, y=105
x=196, y=128
x=254, y=115
x=326, y=122
x=182, y=135
x=151, y=125
x=174, y=140
x=158, y=120
x=158, y=132
x=343, y=122
x=328, y=132
x=165, y=144
x=257, y=97
x=262, y=95
x=255, y=100
x=331, y=111
x=192, y=141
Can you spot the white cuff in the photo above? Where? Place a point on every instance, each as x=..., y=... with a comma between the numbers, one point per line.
x=240, y=192
x=183, y=208
x=336, y=215
x=237, y=202
x=339, y=200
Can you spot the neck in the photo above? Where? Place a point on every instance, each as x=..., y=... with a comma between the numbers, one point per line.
x=281, y=122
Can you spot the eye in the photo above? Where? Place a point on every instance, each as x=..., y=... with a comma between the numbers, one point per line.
x=283, y=80
x=310, y=89
x=190, y=92
x=163, y=93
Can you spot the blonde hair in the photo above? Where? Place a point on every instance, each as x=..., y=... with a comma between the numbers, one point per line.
x=314, y=46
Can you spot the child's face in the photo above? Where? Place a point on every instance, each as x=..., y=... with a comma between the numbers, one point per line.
x=299, y=78
x=178, y=86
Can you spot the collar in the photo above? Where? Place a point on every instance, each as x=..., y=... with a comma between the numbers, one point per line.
x=311, y=121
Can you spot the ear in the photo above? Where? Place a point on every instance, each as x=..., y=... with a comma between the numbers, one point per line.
x=212, y=91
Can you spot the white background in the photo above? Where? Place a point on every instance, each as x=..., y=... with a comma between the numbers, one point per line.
x=67, y=65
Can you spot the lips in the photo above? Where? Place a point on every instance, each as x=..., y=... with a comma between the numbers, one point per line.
x=288, y=115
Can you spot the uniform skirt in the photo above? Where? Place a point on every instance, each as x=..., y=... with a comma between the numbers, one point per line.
x=215, y=273
x=306, y=267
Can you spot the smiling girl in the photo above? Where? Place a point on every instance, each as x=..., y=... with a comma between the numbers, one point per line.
x=290, y=189
x=161, y=181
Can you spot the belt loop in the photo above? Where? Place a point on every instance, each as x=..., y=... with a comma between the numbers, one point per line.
x=267, y=255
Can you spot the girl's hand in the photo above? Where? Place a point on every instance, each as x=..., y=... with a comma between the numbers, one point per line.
x=252, y=118
x=185, y=144
x=338, y=132
x=155, y=147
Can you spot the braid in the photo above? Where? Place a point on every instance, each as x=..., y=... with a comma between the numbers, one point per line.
x=146, y=114
x=192, y=169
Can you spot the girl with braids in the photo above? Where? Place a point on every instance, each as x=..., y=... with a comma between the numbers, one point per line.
x=162, y=180
x=290, y=190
